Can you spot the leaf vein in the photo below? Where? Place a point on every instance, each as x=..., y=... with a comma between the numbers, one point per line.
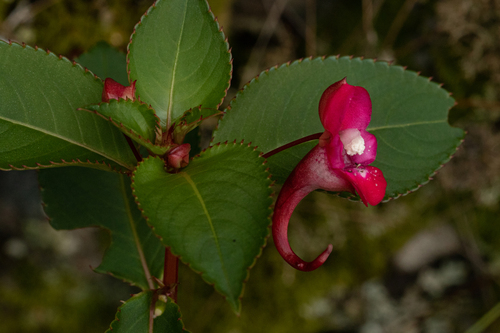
x=209, y=219
x=372, y=129
x=137, y=240
x=174, y=69
x=41, y=130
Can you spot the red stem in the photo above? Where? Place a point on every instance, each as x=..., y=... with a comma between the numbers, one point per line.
x=152, y=313
x=134, y=149
x=170, y=274
x=292, y=144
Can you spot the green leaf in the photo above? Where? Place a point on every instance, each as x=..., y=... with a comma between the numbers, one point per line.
x=213, y=214
x=170, y=320
x=106, y=61
x=192, y=119
x=135, y=119
x=39, y=122
x=194, y=139
x=133, y=316
x=131, y=115
x=196, y=115
x=81, y=197
x=410, y=117
x=180, y=58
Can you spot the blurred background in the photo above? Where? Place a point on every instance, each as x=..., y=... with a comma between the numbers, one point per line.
x=426, y=262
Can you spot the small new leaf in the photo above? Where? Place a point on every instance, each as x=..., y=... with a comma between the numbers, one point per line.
x=190, y=120
x=134, y=316
x=135, y=119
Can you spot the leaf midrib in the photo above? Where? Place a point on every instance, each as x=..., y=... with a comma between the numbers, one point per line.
x=372, y=129
x=137, y=241
x=52, y=134
x=174, y=69
x=209, y=219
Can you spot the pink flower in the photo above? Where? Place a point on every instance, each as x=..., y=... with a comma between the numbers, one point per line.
x=114, y=90
x=338, y=163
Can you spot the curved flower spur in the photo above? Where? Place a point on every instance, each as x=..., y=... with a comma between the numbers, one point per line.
x=338, y=163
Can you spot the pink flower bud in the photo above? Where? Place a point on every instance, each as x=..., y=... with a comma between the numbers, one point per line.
x=114, y=90
x=179, y=156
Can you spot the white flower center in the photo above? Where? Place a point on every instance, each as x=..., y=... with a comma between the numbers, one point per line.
x=353, y=141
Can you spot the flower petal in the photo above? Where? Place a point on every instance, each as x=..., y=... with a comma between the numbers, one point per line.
x=369, y=183
x=359, y=109
x=343, y=106
x=334, y=152
x=331, y=111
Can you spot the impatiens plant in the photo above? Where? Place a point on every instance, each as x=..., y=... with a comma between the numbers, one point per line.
x=124, y=153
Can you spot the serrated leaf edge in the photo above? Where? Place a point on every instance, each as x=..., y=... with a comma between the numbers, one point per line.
x=431, y=176
x=389, y=64
x=63, y=163
x=86, y=71
x=110, y=233
x=271, y=195
x=169, y=300
x=182, y=122
x=134, y=135
x=48, y=52
x=221, y=31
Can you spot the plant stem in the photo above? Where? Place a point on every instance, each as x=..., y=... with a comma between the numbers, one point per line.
x=152, y=308
x=170, y=274
x=134, y=149
x=292, y=144
x=485, y=321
